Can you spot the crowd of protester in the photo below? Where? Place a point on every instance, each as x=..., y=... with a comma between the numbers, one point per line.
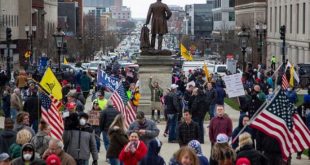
x=192, y=99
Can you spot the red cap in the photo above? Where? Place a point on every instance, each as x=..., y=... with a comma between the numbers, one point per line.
x=71, y=105
x=64, y=82
x=53, y=160
x=243, y=161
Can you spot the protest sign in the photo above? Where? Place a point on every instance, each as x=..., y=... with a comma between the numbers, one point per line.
x=234, y=86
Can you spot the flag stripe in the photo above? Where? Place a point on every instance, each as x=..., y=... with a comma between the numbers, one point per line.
x=302, y=133
x=285, y=83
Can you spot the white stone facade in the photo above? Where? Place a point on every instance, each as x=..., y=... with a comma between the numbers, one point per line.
x=295, y=15
x=224, y=15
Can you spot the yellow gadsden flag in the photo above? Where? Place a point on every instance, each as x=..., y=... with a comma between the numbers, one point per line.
x=50, y=83
x=65, y=60
x=185, y=54
x=205, y=69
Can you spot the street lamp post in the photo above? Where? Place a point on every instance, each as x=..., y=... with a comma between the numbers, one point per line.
x=59, y=40
x=261, y=30
x=243, y=40
x=30, y=33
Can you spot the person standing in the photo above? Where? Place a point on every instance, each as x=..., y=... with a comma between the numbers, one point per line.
x=222, y=153
x=106, y=118
x=94, y=121
x=257, y=99
x=211, y=96
x=22, y=122
x=134, y=151
x=156, y=94
x=56, y=147
x=221, y=123
x=118, y=139
x=27, y=155
x=273, y=62
x=32, y=105
x=7, y=136
x=16, y=103
x=160, y=13
x=85, y=84
x=6, y=102
x=188, y=129
x=80, y=142
x=41, y=139
x=173, y=108
x=102, y=102
x=146, y=129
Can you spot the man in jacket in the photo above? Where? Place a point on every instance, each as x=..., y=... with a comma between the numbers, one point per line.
x=80, y=141
x=146, y=128
x=16, y=103
x=188, y=129
x=160, y=13
x=173, y=108
x=27, y=155
x=56, y=147
x=156, y=94
x=211, y=96
x=85, y=84
x=106, y=118
x=71, y=97
x=7, y=136
x=32, y=105
x=257, y=99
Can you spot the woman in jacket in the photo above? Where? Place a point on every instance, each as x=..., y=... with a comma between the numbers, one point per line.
x=222, y=152
x=41, y=139
x=118, y=139
x=246, y=149
x=134, y=151
x=184, y=156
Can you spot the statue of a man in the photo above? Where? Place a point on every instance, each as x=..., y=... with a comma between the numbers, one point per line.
x=160, y=13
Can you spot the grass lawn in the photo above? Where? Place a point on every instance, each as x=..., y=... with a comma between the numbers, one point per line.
x=233, y=102
x=300, y=100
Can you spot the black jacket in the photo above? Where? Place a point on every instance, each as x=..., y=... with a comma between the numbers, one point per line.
x=172, y=103
x=188, y=132
x=32, y=106
x=255, y=157
x=7, y=137
x=118, y=139
x=199, y=106
x=211, y=96
x=106, y=118
x=267, y=144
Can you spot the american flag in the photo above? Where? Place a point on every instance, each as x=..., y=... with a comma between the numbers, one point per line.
x=281, y=121
x=285, y=83
x=50, y=113
x=123, y=105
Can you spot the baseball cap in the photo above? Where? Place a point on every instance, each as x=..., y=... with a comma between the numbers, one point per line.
x=174, y=86
x=53, y=160
x=4, y=156
x=243, y=161
x=221, y=138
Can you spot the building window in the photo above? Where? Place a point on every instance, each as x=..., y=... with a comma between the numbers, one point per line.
x=231, y=3
x=275, y=19
x=297, y=24
x=231, y=16
x=270, y=23
x=304, y=18
x=217, y=16
x=291, y=18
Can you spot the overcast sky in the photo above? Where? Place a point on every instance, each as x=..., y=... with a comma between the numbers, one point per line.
x=139, y=7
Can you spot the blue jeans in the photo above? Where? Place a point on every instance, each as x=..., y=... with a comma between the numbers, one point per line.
x=172, y=124
x=106, y=141
x=115, y=161
x=212, y=111
x=200, y=128
x=97, y=133
x=13, y=114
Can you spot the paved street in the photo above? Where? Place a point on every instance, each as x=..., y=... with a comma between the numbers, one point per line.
x=168, y=149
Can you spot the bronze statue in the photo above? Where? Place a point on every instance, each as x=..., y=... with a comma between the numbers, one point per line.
x=160, y=13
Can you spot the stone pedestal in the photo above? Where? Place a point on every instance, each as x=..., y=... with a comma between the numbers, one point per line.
x=160, y=68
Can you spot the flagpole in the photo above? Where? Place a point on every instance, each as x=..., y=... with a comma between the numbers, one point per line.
x=259, y=111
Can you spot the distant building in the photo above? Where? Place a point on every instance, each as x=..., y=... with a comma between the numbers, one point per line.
x=98, y=3
x=198, y=20
x=123, y=13
x=295, y=15
x=223, y=15
x=67, y=17
x=176, y=21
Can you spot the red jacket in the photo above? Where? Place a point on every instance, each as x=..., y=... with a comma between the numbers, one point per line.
x=129, y=158
x=220, y=125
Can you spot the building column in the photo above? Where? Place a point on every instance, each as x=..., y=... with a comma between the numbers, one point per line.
x=289, y=53
x=294, y=55
x=307, y=56
x=301, y=55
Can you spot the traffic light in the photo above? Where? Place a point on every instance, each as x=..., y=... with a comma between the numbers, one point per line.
x=8, y=34
x=282, y=32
